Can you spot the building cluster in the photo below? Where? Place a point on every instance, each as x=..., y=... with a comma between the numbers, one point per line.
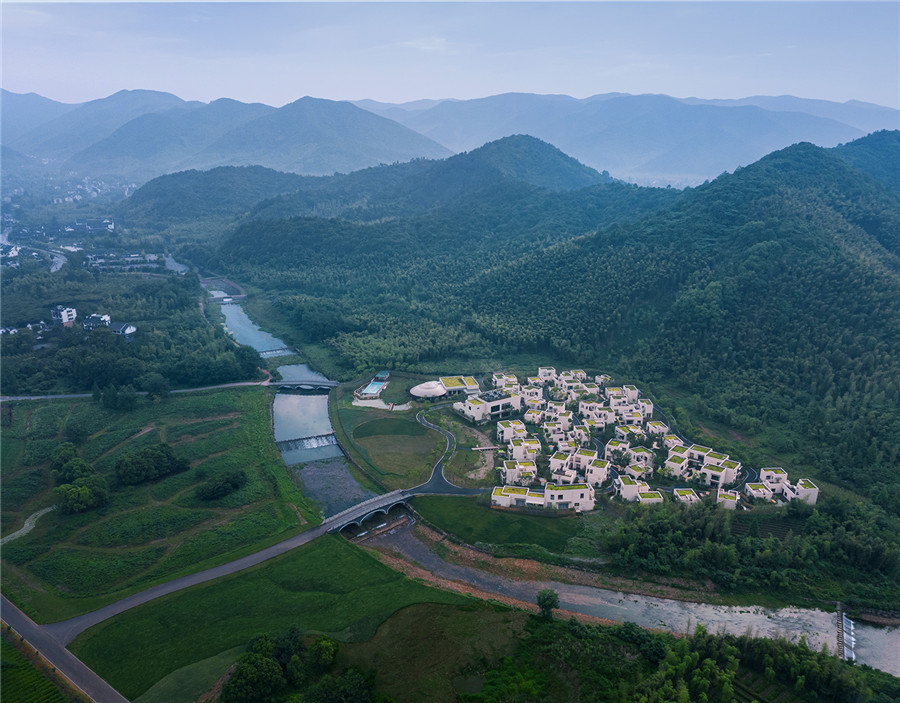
x=569, y=410
x=121, y=329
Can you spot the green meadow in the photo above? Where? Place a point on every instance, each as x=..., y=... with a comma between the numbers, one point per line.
x=147, y=533
x=328, y=586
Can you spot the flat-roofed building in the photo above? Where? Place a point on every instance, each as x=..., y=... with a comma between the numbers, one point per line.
x=728, y=499
x=686, y=495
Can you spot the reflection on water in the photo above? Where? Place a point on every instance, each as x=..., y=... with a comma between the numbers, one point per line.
x=300, y=416
x=246, y=332
x=300, y=372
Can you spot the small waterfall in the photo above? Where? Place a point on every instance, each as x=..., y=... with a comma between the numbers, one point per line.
x=322, y=440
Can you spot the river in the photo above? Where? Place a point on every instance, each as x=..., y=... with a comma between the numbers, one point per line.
x=301, y=425
x=326, y=478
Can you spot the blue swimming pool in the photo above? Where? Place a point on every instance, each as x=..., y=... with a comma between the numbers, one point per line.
x=374, y=388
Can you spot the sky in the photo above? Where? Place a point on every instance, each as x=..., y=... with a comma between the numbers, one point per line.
x=277, y=52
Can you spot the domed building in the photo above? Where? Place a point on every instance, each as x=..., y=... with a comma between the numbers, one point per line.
x=427, y=390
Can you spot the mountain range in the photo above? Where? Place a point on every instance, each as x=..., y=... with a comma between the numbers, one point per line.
x=648, y=139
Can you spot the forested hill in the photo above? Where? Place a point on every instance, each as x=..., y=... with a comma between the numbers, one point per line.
x=878, y=155
x=225, y=191
x=369, y=194
x=772, y=293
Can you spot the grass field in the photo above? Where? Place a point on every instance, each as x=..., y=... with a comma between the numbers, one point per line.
x=464, y=465
x=187, y=684
x=150, y=532
x=327, y=586
x=391, y=447
x=473, y=638
x=473, y=522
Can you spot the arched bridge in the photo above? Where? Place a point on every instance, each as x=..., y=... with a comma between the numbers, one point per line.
x=362, y=511
x=304, y=385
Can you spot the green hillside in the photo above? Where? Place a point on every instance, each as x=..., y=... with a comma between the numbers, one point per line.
x=772, y=293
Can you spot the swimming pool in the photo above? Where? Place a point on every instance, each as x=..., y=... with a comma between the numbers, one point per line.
x=374, y=388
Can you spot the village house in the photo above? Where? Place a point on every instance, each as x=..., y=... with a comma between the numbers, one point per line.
x=491, y=405
x=727, y=499
x=63, y=315
x=628, y=488
x=649, y=497
x=507, y=430
x=518, y=473
x=676, y=465
x=686, y=495
x=503, y=379
x=525, y=449
x=597, y=472
x=642, y=456
x=615, y=445
x=458, y=385
x=577, y=497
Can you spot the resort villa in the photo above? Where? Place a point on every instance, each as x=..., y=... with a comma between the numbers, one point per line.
x=573, y=414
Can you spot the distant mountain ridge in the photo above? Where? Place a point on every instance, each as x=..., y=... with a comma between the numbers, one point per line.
x=371, y=193
x=648, y=139
x=143, y=134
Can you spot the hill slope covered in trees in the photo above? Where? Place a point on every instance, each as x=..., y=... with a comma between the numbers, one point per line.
x=772, y=293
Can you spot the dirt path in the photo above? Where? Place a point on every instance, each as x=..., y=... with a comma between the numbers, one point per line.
x=30, y=522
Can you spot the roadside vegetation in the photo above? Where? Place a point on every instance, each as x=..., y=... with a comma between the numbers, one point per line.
x=26, y=678
x=326, y=587
x=193, y=480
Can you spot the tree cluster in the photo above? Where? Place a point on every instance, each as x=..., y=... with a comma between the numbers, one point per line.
x=274, y=666
x=221, y=486
x=149, y=464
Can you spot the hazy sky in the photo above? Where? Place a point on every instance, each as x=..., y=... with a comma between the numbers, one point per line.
x=277, y=52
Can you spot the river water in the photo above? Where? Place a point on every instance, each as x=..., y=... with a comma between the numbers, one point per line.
x=301, y=425
x=246, y=332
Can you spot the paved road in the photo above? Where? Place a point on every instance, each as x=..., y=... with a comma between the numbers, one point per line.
x=51, y=640
x=56, y=653
x=438, y=484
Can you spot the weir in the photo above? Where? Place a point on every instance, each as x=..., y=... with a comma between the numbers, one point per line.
x=321, y=440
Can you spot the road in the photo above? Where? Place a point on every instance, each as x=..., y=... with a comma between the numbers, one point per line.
x=51, y=640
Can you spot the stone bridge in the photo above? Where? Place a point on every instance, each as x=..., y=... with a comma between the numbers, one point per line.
x=360, y=512
x=309, y=385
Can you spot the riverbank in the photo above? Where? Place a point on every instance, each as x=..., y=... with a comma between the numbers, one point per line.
x=401, y=549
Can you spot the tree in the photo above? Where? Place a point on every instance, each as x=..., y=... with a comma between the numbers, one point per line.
x=547, y=600
x=82, y=494
x=321, y=653
x=256, y=677
x=72, y=470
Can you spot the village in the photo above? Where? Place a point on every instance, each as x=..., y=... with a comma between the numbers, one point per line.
x=565, y=437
